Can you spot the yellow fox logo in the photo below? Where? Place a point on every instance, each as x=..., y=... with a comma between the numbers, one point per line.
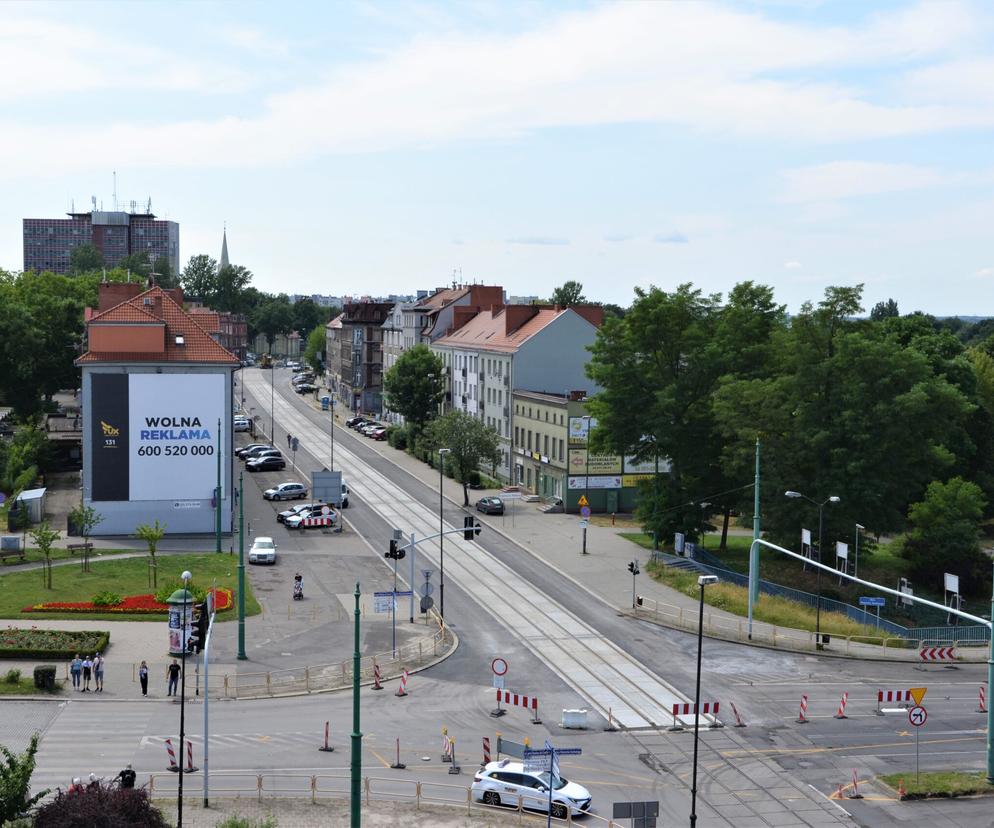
x=109, y=430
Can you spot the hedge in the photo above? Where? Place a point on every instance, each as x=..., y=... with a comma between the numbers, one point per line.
x=87, y=642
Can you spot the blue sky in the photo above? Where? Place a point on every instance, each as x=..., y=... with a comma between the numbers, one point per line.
x=379, y=147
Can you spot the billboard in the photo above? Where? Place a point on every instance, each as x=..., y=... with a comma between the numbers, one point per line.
x=156, y=435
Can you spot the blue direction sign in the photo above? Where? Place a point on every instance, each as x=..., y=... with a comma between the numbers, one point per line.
x=585, y=511
x=871, y=601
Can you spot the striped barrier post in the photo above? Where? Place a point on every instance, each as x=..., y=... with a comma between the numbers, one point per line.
x=520, y=700
x=486, y=751
x=611, y=727
x=189, y=758
x=402, y=690
x=326, y=748
x=172, y=756
x=896, y=696
x=376, y=677
x=454, y=766
x=982, y=705
x=841, y=712
x=738, y=718
x=687, y=709
x=855, y=787
x=802, y=716
x=446, y=756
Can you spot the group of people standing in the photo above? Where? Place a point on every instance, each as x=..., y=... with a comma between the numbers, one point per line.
x=84, y=670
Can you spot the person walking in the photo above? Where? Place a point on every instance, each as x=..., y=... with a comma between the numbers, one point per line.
x=127, y=777
x=143, y=678
x=173, y=672
x=289, y=439
x=75, y=670
x=87, y=669
x=94, y=783
x=98, y=673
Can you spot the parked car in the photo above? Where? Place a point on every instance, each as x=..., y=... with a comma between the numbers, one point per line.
x=241, y=452
x=263, y=550
x=242, y=424
x=490, y=505
x=501, y=783
x=292, y=363
x=305, y=388
x=297, y=367
x=296, y=510
x=271, y=462
x=297, y=521
x=371, y=426
x=286, y=491
x=345, y=496
x=259, y=451
x=378, y=433
x=356, y=422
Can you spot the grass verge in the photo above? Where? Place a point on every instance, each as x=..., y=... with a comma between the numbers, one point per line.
x=26, y=687
x=941, y=784
x=128, y=576
x=770, y=609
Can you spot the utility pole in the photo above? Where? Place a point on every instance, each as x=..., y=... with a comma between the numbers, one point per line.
x=754, y=551
x=355, y=799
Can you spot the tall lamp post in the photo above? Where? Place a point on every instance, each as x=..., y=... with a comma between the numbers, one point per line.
x=702, y=581
x=821, y=509
x=441, y=534
x=855, y=570
x=186, y=576
x=272, y=398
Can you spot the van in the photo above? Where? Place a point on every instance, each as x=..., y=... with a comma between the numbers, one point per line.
x=345, y=496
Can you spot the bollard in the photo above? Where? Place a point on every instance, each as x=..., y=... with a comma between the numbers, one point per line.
x=486, y=752
x=802, y=717
x=398, y=765
x=189, y=758
x=454, y=767
x=841, y=712
x=314, y=790
x=982, y=705
x=326, y=748
x=446, y=755
x=307, y=679
x=172, y=756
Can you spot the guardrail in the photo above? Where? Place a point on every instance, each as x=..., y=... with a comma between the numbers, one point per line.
x=737, y=629
x=236, y=784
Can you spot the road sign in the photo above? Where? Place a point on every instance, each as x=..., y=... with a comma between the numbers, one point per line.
x=584, y=524
x=499, y=666
x=426, y=573
x=427, y=588
x=917, y=715
x=294, y=444
x=938, y=654
x=383, y=602
x=872, y=601
x=498, y=682
x=427, y=603
x=403, y=593
x=582, y=501
x=918, y=693
x=585, y=511
x=325, y=510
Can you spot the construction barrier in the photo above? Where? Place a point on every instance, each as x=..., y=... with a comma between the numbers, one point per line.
x=855, y=794
x=928, y=654
x=516, y=700
x=446, y=754
x=376, y=677
x=398, y=765
x=982, y=704
x=802, y=716
x=897, y=696
x=486, y=751
x=172, y=755
x=738, y=718
x=688, y=709
x=841, y=712
x=326, y=748
x=453, y=766
x=189, y=759
x=402, y=690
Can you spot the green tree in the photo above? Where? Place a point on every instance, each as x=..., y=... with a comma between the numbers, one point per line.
x=231, y=283
x=85, y=258
x=85, y=518
x=568, y=293
x=314, y=352
x=140, y=264
x=23, y=457
x=151, y=534
x=469, y=441
x=44, y=536
x=945, y=534
x=273, y=316
x=15, y=782
x=163, y=271
x=884, y=310
x=413, y=385
x=199, y=277
x=307, y=315
x=614, y=311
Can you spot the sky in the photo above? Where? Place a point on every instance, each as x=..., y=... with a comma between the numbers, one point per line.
x=385, y=147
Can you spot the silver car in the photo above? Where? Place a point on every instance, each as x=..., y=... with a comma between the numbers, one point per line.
x=263, y=551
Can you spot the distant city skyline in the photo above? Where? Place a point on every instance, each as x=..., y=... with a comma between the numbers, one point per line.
x=371, y=148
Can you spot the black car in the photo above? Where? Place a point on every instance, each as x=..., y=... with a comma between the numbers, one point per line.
x=257, y=452
x=305, y=388
x=490, y=505
x=272, y=462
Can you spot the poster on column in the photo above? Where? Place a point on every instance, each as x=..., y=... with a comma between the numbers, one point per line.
x=173, y=439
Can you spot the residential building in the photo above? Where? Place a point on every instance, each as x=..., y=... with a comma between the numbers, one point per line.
x=285, y=346
x=361, y=355
x=491, y=353
x=393, y=347
x=540, y=439
x=156, y=408
x=431, y=317
x=333, y=354
x=48, y=243
x=229, y=330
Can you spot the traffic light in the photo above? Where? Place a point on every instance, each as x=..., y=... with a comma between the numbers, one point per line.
x=470, y=528
x=633, y=567
x=395, y=554
x=198, y=632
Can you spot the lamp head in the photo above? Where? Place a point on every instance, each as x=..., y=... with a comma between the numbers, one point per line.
x=860, y=526
x=793, y=494
x=835, y=499
x=444, y=451
x=187, y=575
x=706, y=580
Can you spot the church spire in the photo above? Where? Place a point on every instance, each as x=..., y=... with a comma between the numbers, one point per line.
x=224, y=250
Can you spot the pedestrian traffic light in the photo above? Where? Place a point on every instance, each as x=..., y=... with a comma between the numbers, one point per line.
x=198, y=633
x=470, y=528
x=395, y=554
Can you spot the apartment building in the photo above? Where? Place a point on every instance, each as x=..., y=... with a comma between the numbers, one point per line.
x=361, y=355
x=431, y=317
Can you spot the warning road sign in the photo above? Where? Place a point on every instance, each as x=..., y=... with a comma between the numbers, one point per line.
x=583, y=501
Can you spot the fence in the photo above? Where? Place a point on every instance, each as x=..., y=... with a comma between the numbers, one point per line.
x=896, y=648
x=235, y=784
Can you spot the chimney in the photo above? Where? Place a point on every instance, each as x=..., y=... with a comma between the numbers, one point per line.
x=516, y=315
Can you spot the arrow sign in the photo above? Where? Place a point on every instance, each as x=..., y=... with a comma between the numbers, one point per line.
x=917, y=716
x=937, y=653
x=918, y=693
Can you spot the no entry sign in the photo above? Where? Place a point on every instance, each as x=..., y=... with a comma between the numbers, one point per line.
x=498, y=666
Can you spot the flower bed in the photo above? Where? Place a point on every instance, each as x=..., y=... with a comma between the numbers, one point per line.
x=55, y=644
x=130, y=605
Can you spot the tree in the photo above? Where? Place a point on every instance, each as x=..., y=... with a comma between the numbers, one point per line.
x=231, y=283
x=15, y=782
x=85, y=258
x=273, y=316
x=413, y=385
x=307, y=315
x=568, y=293
x=151, y=534
x=613, y=311
x=884, y=310
x=316, y=342
x=945, y=534
x=140, y=264
x=163, y=271
x=469, y=442
x=199, y=277
x=85, y=518
x=44, y=536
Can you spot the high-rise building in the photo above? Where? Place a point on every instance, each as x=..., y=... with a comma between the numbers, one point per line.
x=48, y=243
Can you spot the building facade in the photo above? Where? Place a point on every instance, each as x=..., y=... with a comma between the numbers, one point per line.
x=48, y=243
x=333, y=355
x=393, y=346
x=361, y=356
x=540, y=442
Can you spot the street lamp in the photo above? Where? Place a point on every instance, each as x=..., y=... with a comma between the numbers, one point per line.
x=186, y=576
x=441, y=535
x=331, y=432
x=855, y=570
x=702, y=581
x=821, y=507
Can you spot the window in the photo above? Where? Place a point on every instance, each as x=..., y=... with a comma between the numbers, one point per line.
x=529, y=440
x=561, y=455
x=547, y=416
x=545, y=441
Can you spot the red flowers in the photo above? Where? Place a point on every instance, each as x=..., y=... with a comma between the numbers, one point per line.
x=132, y=604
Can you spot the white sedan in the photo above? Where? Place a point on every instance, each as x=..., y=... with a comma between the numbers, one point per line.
x=501, y=783
x=263, y=551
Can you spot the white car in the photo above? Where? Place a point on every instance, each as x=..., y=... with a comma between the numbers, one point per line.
x=263, y=551
x=501, y=783
x=242, y=424
x=286, y=491
x=297, y=521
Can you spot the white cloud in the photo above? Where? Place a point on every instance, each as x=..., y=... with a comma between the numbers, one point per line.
x=792, y=265
x=849, y=179
x=256, y=41
x=670, y=238
x=538, y=240
x=985, y=272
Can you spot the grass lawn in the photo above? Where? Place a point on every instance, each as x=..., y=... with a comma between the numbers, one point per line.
x=770, y=608
x=26, y=687
x=941, y=784
x=125, y=577
x=33, y=555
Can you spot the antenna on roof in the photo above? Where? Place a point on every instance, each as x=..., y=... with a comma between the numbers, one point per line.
x=93, y=200
x=114, y=173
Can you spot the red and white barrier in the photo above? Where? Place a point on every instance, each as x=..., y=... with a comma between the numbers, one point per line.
x=802, y=716
x=317, y=521
x=376, y=677
x=982, y=703
x=398, y=765
x=172, y=755
x=486, y=750
x=402, y=690
x=517, y=700
x=446, y=750
x=326, y=748
x=688, y=709
x=189, y=758
x=938, y=654
x=738, y=718
x=841, y=712
x=895, y=696
x=855, y=794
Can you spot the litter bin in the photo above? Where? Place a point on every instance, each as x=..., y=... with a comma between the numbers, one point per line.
x=325, y=403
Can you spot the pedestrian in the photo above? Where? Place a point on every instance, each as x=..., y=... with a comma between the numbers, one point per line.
x=98, y=672
x=143, y=678
x=173, y=672
x=127, y=777
x=87, y=668
x=76, y=669
x=76, y=786
x=289, y=439
x=94, y=783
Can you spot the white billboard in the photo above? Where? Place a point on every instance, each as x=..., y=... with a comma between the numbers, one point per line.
x=173, y=435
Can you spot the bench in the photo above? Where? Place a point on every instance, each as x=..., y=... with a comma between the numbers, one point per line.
x=10, y=547
x=78, y=547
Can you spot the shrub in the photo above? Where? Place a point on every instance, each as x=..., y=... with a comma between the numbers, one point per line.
x=106, y=599
x=397, y=437
x=45, y=676
x=236, y=821
x=12, y=677
x=163, y=593
x=101, y=805
x=474, y=479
